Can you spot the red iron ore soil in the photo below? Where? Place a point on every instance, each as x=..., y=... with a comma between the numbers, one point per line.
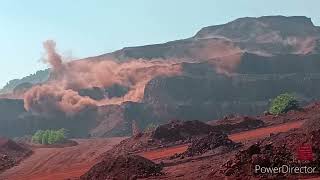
x=122, y=167
x=11, y=153
x=61, y=163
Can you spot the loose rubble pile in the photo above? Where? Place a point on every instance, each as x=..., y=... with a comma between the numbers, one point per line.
x=274, y=151
x=233, y=124
x=123, y=167
x=211, y=142
x=11, y=153
x=6, y=162
x=182, y=131
x=174, y=133
x=264, y=156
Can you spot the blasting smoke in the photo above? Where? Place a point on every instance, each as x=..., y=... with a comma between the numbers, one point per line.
x=60, y=93
x=53, y=58
x=49, y=99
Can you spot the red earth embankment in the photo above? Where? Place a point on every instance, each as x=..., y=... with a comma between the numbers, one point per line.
x=237, y=137
x=60, y=163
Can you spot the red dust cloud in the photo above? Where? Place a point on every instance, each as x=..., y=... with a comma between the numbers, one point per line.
x=60, y=92
x=47, y=99
x=53, y=58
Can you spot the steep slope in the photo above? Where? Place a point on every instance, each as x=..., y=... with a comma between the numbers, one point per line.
x=15, y=121
x=11, y=153
x=202, y=94
x=10, y=110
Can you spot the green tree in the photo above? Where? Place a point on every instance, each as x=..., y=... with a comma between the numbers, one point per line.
x=45, y=137
x=283, y=103
x=49, y=136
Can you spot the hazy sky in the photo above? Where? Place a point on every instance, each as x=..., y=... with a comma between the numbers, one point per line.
x=92, y=27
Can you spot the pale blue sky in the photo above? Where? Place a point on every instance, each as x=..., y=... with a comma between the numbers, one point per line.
x=92, y=27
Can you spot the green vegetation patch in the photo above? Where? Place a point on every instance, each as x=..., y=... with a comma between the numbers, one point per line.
x=49, y=136
x=284, y=103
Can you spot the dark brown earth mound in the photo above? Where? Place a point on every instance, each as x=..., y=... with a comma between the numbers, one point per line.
x=210, y=143
x=181, y=131
x=11, y=153
x=234, y=124
x=123, y=168
x=174, y=133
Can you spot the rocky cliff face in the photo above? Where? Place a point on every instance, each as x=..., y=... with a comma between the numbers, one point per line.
x=203, y=99
x=10, y=110
x=16, y=122
x=256, y=80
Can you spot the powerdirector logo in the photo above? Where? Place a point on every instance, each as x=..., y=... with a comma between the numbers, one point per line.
x=286, y=169
x=304, y=165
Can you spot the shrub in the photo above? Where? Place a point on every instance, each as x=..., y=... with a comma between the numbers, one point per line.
x=49, y=136
x=283, y=103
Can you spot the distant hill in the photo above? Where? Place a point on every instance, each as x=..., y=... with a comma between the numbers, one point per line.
x=268, y=35
x=36, y=78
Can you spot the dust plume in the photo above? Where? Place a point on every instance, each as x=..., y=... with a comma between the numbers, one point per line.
x=53, y=58
x=60, y=93
x=47, y=99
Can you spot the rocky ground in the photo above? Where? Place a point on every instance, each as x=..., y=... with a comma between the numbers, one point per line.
x=233, y=124
x=216, y=156
x=181, y=131
x=171, y=134
x=11, y=153
x=177, y=133
x=123, y=167
x=214, y=142
x=274, y=151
